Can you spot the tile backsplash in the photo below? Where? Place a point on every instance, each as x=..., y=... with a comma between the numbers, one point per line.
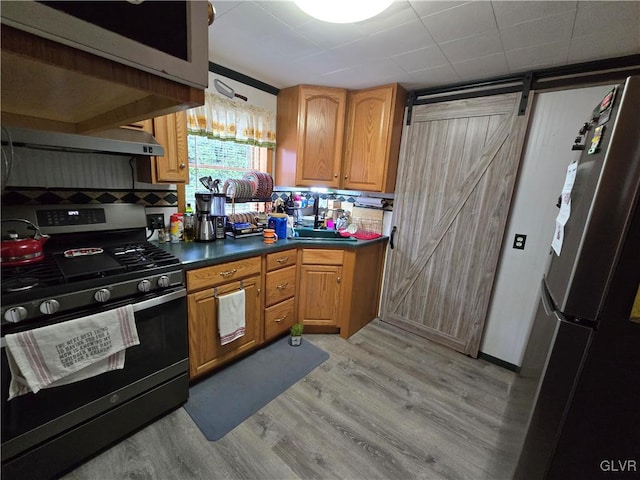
x=57, y=196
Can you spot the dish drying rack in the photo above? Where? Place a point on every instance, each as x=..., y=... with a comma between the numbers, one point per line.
x=254, y=187
x=367, y=223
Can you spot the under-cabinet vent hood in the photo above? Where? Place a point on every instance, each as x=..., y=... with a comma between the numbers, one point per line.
x=117, y=141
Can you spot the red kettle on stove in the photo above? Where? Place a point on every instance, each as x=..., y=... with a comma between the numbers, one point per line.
x=18, y=251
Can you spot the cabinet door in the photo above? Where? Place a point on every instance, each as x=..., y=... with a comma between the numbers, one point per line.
x=205, y=350
x=320, y=136
x=319, y=294
x=374, y=125
x=171, y=131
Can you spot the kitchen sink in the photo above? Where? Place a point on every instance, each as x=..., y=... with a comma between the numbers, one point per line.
x=318, y=234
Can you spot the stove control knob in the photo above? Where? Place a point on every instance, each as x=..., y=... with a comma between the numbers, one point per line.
x=103, y=295
x=49, y=307
x=144, y=286
x=15, y=314
x=163, y=281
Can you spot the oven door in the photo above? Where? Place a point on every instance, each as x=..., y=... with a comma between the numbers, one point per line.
x=161, y=356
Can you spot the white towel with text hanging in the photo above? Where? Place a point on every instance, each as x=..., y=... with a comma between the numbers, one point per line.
x=231, y=324
x=69, y=351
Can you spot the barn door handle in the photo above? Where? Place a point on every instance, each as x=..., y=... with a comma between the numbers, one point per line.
x=393, y=234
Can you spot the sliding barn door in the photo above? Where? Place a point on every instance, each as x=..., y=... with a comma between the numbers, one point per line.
x=458, y=165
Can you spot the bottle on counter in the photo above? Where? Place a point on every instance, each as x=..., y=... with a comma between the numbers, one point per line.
x=174, y=228
x=189, y=230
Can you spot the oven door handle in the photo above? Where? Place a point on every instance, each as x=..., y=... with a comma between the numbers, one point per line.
x=144, y=305
x=154, y=302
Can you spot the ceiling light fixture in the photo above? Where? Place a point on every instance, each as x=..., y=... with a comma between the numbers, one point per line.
x=343, y=11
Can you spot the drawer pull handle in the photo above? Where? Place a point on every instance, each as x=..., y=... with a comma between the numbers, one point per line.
x=228, y=273
x=281, y=319
x=282, y=260
x=282, y=286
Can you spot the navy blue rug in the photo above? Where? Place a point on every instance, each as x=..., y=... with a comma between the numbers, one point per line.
x=223, y=401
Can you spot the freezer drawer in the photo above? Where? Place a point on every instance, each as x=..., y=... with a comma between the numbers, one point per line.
x=559, y=372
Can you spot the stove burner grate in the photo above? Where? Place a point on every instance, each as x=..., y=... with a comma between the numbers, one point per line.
x=141, y=256
x=19, y=284
x=26, y=277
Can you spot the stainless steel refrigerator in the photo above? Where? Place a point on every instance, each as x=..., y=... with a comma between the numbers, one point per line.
x=582, y=360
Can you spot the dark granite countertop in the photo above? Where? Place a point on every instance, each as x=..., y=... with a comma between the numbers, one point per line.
x=200, y=254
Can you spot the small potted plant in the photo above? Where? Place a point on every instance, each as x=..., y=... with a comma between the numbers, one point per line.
x=296, y=335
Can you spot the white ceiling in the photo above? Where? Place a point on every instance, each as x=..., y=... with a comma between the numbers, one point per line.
x=418, y=43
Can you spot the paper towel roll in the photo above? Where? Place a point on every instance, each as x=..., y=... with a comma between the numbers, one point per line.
x=371, y=202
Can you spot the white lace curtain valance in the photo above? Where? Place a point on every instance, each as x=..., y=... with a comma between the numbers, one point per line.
x=226, y=119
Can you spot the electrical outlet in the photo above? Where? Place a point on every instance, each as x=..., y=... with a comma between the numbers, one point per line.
x=155, y=221
x=519, y=241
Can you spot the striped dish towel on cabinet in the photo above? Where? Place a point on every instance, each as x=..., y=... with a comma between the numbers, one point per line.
x=231, y=316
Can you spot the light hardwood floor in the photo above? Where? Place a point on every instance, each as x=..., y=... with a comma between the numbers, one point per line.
x=386, y=405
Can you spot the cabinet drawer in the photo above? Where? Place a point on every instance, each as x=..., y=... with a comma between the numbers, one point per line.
x=280, y=285
x=223, y=273
x=322, y=257
x=279, y=318
x=281, y=259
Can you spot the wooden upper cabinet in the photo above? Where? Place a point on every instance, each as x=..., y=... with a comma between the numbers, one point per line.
x=333, y=138
x=171, y=131
x=372, y=143
x=310, y=126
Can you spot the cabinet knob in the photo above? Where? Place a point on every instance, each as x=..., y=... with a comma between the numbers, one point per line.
x=335, y=175
x=183, y=166
x=339, y=279
x=346, y=176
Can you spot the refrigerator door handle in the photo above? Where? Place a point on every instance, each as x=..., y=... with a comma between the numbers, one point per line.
x=550, y=308
x=547, y=302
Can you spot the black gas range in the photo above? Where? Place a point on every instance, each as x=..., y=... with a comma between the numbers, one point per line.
x=95, y=255
x=97, y=259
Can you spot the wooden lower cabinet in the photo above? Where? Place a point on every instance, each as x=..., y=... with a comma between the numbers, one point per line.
x=328, y=290
x=205, y=350
x=340, y=288
x=280, y=292
x=361, y=286
x=319, y=297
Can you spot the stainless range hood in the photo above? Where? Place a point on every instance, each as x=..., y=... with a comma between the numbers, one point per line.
x=117, y=141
